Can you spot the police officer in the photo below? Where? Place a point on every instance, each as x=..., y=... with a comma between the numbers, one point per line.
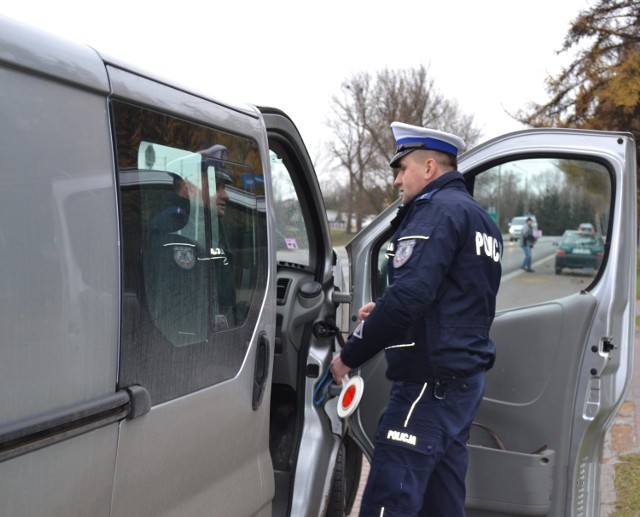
x=433, y=322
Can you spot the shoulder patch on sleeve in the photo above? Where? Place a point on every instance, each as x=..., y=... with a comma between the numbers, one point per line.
x=403, y=253
x=358, y=331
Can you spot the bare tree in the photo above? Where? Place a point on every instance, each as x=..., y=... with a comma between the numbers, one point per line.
x=364, y=145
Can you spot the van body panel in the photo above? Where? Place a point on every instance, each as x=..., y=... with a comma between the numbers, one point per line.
x=188, y=447
x=116, y=62
x=68, y=319
x=72, y=477
x=59, y=301
x=134, y=87
x=44, y=54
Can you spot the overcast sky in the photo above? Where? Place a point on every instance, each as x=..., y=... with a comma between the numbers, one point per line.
x=490, y=56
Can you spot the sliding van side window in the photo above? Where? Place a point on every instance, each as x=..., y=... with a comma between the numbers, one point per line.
x=193, y=251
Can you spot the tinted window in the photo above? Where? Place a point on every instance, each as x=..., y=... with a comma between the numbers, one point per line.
x=193, y=247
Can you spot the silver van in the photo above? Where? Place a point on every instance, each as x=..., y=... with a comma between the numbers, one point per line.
x=170, y=302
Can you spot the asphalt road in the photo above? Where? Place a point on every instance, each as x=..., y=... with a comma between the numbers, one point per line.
x=519, y=288
x=512, y=254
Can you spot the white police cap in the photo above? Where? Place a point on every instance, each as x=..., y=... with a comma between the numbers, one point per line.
x=411, y=138
x=217, y=156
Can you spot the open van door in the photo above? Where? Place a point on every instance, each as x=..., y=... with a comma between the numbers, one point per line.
x=316, y=465
x=564, y=337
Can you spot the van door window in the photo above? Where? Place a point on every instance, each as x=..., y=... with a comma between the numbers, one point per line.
x=560, y=196
x=194, y=251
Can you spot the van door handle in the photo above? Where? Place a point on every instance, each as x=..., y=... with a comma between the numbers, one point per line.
x=261, y=373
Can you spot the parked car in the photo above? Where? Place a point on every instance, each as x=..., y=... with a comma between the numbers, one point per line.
x=515, y=226
x=162, y=346
x=579, y=250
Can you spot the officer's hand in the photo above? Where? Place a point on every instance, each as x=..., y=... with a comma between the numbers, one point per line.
x=365, y=310
x=338, y=369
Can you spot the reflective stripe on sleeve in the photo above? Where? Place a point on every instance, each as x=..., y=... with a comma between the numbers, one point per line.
x=423, y=237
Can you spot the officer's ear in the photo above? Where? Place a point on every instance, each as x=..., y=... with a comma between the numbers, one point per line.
x=421, y=159
x=430, y=167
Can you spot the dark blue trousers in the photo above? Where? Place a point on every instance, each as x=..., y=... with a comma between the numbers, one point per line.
x=420, y=460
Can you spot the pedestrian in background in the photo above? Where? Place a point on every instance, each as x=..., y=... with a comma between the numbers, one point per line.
x=527, y=240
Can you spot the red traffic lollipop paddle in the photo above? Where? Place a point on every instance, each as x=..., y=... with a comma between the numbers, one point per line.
x=350, y=396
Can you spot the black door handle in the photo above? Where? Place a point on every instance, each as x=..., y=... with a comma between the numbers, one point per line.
x=261, y=373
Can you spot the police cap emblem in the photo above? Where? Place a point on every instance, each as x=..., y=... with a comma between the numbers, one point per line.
x=403, y=253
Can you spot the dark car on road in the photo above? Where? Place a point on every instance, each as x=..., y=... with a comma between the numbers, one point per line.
x=579, y=250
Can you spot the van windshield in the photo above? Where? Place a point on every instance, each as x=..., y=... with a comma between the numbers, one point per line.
x=292, y=244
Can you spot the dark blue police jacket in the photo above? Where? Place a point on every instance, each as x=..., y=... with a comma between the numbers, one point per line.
x=444, y=270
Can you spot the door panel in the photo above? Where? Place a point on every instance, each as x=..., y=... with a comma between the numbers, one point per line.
x=195, y=456
x=82, y=465
x=197, y=326
x=563, y=334
x=530, y=386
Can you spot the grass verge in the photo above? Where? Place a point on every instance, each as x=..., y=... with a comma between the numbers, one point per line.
x=627, y=478
x=627, y=482
x=340, y=237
